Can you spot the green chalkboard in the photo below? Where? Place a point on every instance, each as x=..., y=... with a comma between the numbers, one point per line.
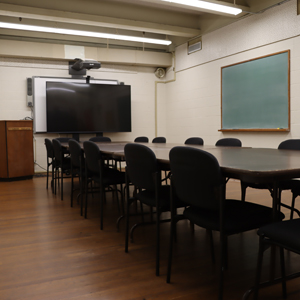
x=256, y=94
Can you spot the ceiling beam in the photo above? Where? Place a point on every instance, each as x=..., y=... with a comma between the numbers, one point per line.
x=33, y=13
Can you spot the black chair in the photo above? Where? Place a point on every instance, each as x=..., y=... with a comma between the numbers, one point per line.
x=293, y=185
x=229, y=142
x=50, y=161
x=104, y=176
x=105, y=139
x=159, y=139
x=162, y=140
x=141, y=139
x=194, y=141
x=77, y=169
x=63, y=139
x=142, y=170
x=285, y=235
x=100, y=139
x=198, y=182
x=62, y=165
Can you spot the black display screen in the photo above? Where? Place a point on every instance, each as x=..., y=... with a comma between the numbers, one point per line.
x=87, y=108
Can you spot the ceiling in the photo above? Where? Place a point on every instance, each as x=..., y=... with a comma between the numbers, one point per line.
x=149, y=18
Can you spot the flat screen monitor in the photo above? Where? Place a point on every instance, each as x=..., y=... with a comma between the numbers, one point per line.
x=87, y=108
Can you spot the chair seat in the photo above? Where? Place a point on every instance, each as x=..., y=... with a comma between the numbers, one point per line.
x=110, y=176
x=148, y=198
x=66, y=163
x=284, y=233
x=239, y=216
x=113, y=176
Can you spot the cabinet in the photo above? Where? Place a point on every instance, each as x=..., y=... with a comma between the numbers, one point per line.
x=16, y=149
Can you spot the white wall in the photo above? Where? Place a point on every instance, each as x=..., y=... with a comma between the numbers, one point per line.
x=13, y=74
x=188, y=101
x=193, y=100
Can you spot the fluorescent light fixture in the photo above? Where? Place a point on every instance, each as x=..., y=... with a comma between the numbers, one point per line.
x=84, y=33
x=208, y=5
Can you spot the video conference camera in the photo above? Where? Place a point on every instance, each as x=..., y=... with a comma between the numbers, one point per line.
x=85, y=64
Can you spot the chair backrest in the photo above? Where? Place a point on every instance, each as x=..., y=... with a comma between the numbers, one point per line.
x=141, y=139
x=49, y=148
x=58, y=152
x=100, y=139
x=141, y=164
x=76, y=152
x=195, y=177
x=93, y=157
x=230, y=142
x=194, y=141
x=159, y=139
x=63, y=139
x=292, y=144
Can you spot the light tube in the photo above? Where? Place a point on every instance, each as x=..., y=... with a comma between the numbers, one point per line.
x=84, y=33
x=208, y=5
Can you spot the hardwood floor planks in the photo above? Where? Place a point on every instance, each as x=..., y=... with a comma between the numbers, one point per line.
x=48, y=251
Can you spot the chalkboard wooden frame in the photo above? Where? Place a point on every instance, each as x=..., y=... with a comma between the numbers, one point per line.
x=255, y=94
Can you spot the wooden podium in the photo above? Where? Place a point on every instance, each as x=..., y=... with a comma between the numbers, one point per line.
x=16, y=149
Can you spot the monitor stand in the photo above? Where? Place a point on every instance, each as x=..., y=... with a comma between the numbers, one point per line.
x=75, y=136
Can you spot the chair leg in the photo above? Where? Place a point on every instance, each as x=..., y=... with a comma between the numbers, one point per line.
x=261, y=250
x=62, y=185
x=86, y=198
x=293, y=205
x=223, y=246
x=122, y=199
x=52, y=175
x=47, y=175
x=212, y=249
x=72, y=188
x=81, y=195
x=142, y=211
x=55, y=180
x=128, y=202
x=243, y=191
x=282, y=265
x=171, y=241
x=157, y=240
x=102, y=200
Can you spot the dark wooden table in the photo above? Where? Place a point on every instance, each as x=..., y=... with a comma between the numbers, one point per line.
x=248, y=164
x=258, y=165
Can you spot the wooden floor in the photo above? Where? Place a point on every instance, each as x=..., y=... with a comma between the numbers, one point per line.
x=48, y=251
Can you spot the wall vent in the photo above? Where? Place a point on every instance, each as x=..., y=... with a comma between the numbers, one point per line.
x=194, y=45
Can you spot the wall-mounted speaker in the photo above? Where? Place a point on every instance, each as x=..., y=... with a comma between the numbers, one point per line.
x=29, y=97
x=160, y=72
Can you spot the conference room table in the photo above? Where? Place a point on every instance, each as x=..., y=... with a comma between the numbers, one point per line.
x=255, y=165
